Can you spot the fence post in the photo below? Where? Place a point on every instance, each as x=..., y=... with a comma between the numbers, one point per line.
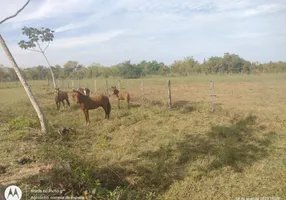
x=68, y=84
x=95, y=86
x=107, y=88
x=78, y=84
x=63, y=83
x=142, y=91
x=169, y=94
x=212, y=94
x=58, y=83
x=72, y=84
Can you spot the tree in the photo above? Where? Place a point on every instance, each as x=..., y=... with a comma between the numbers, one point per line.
x=70, y=67
x=43, y=35
x=128, y=70
x=23, y=81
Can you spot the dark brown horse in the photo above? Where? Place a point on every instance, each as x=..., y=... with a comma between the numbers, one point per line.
x=61, y=96
x=87, y=103
x=121, y=96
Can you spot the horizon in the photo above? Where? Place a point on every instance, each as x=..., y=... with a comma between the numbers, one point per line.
x=110, y=32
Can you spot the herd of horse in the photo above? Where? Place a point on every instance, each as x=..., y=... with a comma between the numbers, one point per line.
x=87, y=102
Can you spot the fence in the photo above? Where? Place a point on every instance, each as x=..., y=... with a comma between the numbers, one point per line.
x=158, y=91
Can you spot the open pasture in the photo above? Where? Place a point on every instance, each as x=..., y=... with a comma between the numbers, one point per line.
x=150, y=151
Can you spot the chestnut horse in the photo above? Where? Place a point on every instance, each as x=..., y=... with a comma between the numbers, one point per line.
x=121, y=96
x=87, y=103
x=60, y=96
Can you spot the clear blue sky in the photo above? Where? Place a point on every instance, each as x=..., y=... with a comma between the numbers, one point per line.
x=112, y=31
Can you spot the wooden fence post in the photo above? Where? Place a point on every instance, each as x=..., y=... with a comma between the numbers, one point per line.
x=107, y=88
x=78, y=84
x=212, y=99
x=95, y=86
x=72, y=84
x=68, y=84
x=169, y=94
x=58, y=83
x=142, y=91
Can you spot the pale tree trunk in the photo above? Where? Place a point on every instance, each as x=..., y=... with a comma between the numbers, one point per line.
x=26, y=86
x=53, y=77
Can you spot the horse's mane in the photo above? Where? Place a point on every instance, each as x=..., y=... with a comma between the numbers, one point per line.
x=80, y=94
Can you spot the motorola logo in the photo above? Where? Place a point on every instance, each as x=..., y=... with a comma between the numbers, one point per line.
x=13, y=192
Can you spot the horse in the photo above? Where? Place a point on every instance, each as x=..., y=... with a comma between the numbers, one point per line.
x=121, y=96
x=87, y=103
x=60, y=96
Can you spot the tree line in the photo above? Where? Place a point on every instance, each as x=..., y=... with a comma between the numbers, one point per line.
x=227, y=64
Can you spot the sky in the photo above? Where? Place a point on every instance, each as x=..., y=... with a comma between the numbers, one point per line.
x=113, y=31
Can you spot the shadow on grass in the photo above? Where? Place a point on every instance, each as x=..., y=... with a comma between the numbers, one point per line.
x=134, y=105
x=188, y=106
x=236, y=146
x=180, y=104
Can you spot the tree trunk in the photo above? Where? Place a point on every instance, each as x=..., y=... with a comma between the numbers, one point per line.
x=52, y=73
x=26, y=86
x=53, y=77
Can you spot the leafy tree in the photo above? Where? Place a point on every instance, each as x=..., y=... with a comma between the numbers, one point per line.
x=43, y=35
x=128, y=70
x=22, y=79
x=70, y=67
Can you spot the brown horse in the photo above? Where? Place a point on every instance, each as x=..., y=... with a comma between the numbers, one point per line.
x=121, y=96
x=60, y=96
x=87, y=103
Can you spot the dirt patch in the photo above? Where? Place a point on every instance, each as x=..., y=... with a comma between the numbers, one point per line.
x=19, y=173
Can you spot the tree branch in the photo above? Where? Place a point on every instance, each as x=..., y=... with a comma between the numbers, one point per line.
x=46, y=47
x=39, y=46
x=10, y=17
x=34, y=50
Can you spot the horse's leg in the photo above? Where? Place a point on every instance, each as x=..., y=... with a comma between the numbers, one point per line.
x=68, y=102
x=64, y=106
x=84, y=112
x=87, y=114
x=57, y=105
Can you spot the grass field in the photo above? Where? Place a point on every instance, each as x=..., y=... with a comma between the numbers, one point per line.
x=150, y=151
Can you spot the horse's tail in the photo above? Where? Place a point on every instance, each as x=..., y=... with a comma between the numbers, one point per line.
x=108, y=108
x=68, y=102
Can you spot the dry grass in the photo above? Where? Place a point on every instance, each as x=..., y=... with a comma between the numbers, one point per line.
x=151, y=152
